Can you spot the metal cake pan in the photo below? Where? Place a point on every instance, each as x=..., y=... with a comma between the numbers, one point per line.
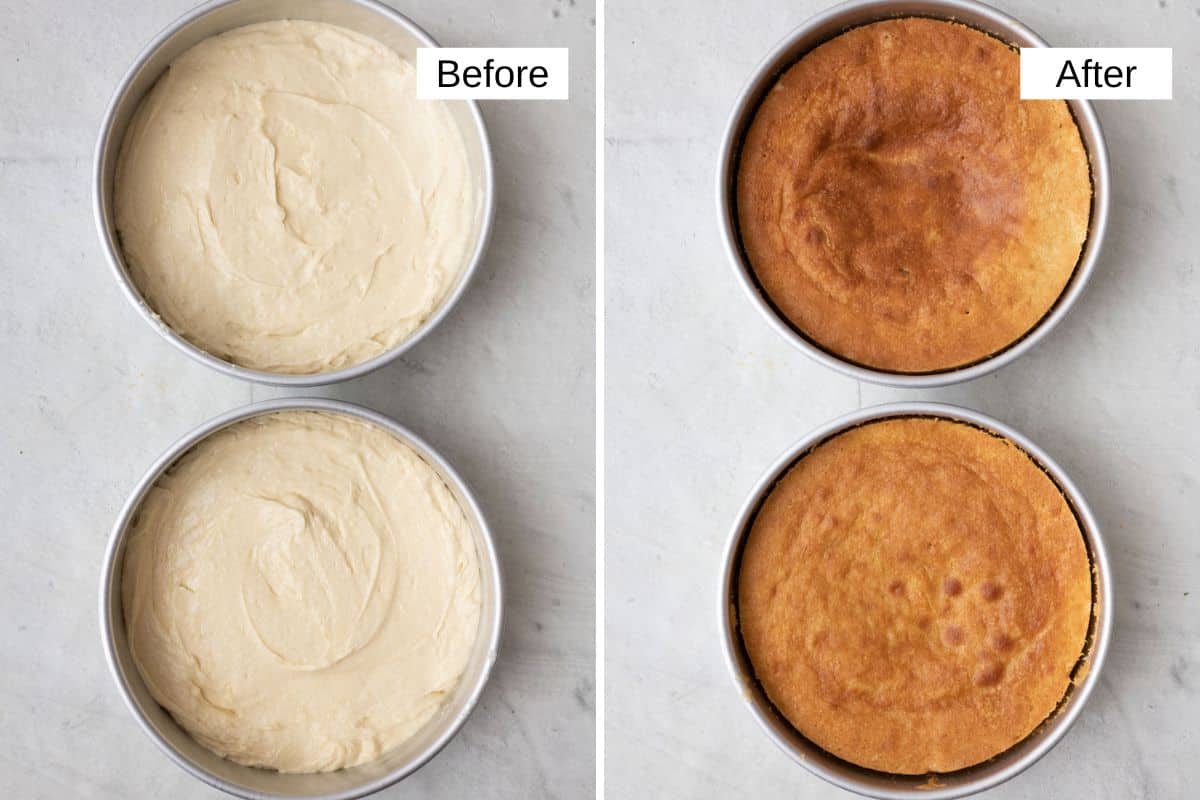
x=942, y=786
x=259, y=784
x=368, y=17
x=826, y=26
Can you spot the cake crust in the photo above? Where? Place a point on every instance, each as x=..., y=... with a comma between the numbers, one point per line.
x=914, y=594
x=902, y=207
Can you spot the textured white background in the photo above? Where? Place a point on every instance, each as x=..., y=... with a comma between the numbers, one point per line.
x=91, y=395
x=702, y=395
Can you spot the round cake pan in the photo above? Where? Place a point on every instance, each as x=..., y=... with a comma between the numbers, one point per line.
x=826, y=26
x=259, y=784
x=942, y=786
x=367, y=17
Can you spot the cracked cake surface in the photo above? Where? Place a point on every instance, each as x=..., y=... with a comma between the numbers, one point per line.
x=914, y=594
x=899, y=203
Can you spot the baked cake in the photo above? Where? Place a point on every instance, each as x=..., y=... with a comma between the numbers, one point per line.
x=914, y=595
x=899, y=203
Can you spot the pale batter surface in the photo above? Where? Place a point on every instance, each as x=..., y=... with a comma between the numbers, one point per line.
x=301, y=591
x=287, y=204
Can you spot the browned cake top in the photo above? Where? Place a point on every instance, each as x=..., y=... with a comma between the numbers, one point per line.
x=914, y=594
x=902, y=206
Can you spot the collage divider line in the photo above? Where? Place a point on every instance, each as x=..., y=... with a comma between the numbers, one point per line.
x=600, y=382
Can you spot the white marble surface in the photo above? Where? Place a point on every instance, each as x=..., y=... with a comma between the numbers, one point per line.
x=702, y=395
x=505, y=388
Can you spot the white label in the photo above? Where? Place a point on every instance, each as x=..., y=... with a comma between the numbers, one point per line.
x=1095, y=73
x=492, y=73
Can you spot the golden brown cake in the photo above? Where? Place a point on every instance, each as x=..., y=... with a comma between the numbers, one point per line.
x=914, y=595
x=900, y=204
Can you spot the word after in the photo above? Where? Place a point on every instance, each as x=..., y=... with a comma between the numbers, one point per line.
x=1096, y=73
x=492, y=73
x=1092, y=74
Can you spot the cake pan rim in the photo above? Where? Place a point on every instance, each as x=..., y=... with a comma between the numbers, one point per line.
x=809, y=35
x=108, y=145
x=848, y=776
x=491, y=620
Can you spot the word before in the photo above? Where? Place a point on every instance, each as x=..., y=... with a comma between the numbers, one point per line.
x=491, y=75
